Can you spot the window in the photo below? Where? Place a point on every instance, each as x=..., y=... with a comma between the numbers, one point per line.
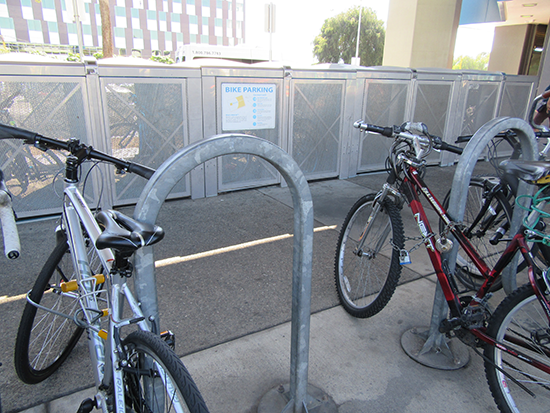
x=162, y=21
x=206, y=8
x=137, y=35
x=190, y=7
x=120, y=37
x=26, y=10
x=135, y=18
x=175, y=20
x=53, y=32
x=120, y=17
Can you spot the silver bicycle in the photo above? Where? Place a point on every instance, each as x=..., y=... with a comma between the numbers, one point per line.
x=83, y=287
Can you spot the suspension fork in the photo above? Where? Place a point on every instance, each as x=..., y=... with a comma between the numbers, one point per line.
x=387, y=189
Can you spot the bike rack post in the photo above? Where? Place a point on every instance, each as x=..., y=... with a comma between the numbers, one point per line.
x=173, y=170
x=427, y=345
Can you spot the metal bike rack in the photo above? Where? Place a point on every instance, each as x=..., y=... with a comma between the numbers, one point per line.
x=427, y=345
x=172, y=171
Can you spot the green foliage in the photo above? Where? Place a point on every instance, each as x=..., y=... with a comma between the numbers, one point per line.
x=480, y=62
x=338, y=39
x=163, y=59
x=73, y=57
x=36, y=52
x=98, y=55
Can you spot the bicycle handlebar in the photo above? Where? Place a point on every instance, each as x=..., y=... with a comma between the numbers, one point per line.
x=365, y=127
x=7, y=219
x=444, y=146
x=75, y=147
x=417, y=128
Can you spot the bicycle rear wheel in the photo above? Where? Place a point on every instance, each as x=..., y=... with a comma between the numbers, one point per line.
x=44, y=339
x=521, y=324
x=155, y=378
x=498, y=212
x=366, y=278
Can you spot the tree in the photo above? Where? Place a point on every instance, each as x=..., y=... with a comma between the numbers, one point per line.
x=338, y=39
x=106, y=31
x=480, y=62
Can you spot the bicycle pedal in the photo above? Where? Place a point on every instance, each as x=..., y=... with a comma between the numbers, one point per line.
x=169, y=338
x=447, y=326
x=87, y=406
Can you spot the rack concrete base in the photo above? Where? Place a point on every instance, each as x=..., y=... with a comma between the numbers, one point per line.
x=279, y=400
x=443, y=354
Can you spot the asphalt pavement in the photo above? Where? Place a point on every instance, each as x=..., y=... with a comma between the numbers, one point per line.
x=230, y=309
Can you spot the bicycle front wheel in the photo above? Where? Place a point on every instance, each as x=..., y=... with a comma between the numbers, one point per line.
x=367, y=277
x=155, y=379
x=521, y=324
x=45, y=339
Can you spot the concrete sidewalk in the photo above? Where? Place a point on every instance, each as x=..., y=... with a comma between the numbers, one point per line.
x=359, y=363
x=236, y=343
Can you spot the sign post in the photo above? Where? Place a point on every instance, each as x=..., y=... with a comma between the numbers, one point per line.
x=270, y=26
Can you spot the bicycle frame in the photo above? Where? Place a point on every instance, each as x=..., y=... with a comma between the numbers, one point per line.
x=409, y=188
x=104, y=352
x=132, y=371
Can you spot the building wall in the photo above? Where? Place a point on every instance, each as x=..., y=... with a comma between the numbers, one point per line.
x=145, y=25
x=508, y=46
x=421, y=33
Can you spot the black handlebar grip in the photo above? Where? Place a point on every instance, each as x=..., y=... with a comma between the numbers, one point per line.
x=11, y=132
x=451, y=148
x=384, y=131
x=143, y=171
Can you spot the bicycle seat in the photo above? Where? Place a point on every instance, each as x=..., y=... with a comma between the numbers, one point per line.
x=533, y=172
x=125, y=234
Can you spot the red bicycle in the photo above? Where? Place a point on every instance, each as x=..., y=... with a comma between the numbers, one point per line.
x=515, y=338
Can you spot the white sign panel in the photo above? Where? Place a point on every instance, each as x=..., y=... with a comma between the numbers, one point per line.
x=247, y=106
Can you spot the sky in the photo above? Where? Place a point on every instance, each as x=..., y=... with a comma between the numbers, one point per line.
x=299, y=21
x=474, y=39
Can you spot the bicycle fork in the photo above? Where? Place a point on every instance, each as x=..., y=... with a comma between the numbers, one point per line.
x=115, y=369
x=377, y=204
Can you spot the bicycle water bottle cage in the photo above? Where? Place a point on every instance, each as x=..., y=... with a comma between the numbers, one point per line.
x=124, y=234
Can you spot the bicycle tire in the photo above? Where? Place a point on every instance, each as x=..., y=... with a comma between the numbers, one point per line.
x=147, y=353
x=366, y=282
x=519, y=316
x=45, y=340
x=498, y=212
